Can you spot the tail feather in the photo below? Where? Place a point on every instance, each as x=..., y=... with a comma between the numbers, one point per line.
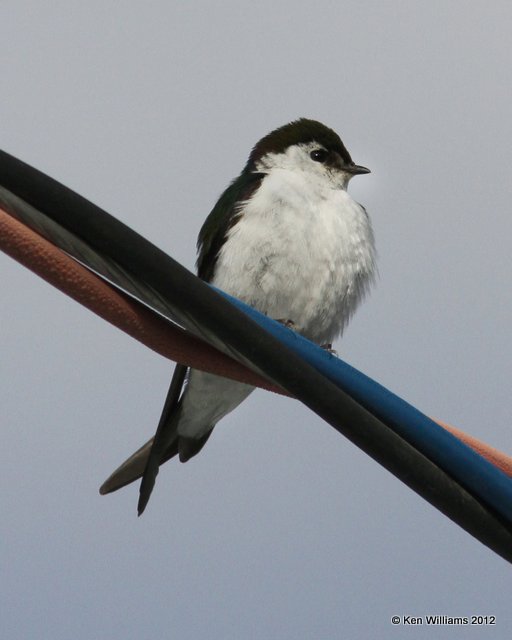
x=166, y=443
x=189, y=447
x=133, y=468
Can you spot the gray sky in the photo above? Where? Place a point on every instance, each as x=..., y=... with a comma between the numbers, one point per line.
x=280, y=528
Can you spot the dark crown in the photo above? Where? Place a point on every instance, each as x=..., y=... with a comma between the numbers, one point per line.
x=297, y=132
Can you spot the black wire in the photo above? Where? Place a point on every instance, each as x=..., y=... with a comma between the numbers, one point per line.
x=162, y=283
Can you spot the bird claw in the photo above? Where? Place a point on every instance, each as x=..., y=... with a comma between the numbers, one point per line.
x=289, y=324
x=328, y=347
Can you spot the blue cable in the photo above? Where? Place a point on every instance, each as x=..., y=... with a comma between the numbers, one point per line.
x=470, y=469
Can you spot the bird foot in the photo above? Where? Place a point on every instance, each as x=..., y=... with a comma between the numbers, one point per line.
x=329, y=349
x=289, y=324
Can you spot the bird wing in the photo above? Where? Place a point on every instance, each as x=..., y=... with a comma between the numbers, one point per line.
x=166, y=434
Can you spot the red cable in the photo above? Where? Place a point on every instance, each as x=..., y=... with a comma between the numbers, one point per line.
x=146, y=326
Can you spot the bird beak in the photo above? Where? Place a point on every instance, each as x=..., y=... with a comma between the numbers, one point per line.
x=355, y=169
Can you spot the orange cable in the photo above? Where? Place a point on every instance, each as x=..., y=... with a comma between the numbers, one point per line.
x=53, y=265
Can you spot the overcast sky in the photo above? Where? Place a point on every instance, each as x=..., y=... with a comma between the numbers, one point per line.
x=280, y=528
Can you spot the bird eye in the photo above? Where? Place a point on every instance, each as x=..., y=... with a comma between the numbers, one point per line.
x=319, y=155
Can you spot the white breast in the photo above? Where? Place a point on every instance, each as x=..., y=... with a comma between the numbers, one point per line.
x=302, y=251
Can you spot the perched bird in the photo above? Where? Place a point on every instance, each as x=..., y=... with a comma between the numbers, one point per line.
x=287, y=239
